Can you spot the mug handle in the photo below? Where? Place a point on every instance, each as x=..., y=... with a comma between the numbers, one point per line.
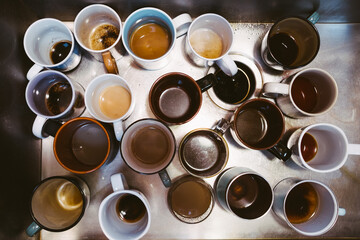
x=221, y=126
x=118, y=182
x=110, y=63
x=273, y=89
x=118, y=129
x=206, y=82
x=32, y=229
x=38, y=126
x=281, y=151
x=182, y=24
x=354, y=149
x=164, y=176
x=314, y=18
x=342, y=211
x=33, y=71
x=227, y=65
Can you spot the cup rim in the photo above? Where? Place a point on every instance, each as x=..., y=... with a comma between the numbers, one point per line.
x=97, y=5
x=128, y=49
x=79, y=119
x=27, y=35
x=172, y=137
x=304, y=20
x=70, y=179
x=161, y=79
x=317, y=70
x=198, y=19
x=40, y=75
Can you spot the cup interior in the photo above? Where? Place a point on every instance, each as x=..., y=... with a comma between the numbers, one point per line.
x=112, y=225
x=82, y=145
x=175, y=98
x=300, y=36
x=203, y=152
x=148, y=146
x=41, y=36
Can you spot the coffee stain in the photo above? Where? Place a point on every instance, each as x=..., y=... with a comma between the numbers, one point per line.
x=351, y=175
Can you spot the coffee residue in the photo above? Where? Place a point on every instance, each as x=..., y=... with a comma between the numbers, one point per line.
x=103, y=36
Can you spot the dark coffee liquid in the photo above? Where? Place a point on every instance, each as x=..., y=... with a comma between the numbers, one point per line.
x=130, y=208
x=59, y=51
x=283, y=48
x=151, y=145
x=301, y=203
x=309, y=147
x=58, y=97
x=304, y=94
x=243, y=192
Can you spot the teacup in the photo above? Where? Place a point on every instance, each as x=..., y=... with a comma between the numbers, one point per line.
x=149, y=36
x=50, y=44
x=125, y=213
x=307, y=206
x=308, y=93
x=292, y=42
x=97, y=28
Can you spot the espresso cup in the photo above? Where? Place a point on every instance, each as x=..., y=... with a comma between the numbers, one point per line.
x=204, y=152
x=110, y=99
x=190, y=199
x=308, y=93
x=148, y=147
x=209, y=40
x=321, y=147
x=50, y=44
x=244, y=193
x=58, y=204
x=259, y=124
x=149, y=36
x=125, y=213
x=97, y=28
x=291, y=42
x=176, y=98
x=52, y=95
x=307, y=206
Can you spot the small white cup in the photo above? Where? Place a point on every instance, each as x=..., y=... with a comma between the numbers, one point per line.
x=332, y=143
x=177, y=27
x=86, y=21
x=92, y=96
x=40, y=37
x=325, y=216
x=111, y=224
x=221, y=27
x=327, y=92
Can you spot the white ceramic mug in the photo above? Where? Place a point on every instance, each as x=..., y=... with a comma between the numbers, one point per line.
x=111, y=224
x=37, y=98
x=322, y=85
x=177, y=27
x=326, y=213
x=87, y=21
x=331, y=144
x=39, y=41
x=206, y=27
x=94, y=92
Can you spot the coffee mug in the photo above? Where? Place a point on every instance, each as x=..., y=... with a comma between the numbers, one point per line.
x=125, y=213
x=52, y=95
x=97, y=28
x=58, y=204
x=110, y=99
x=244, y=193
x=321, y=147
x=176, y=98
x=190, y=199
x=149, y=36
x=50, y=44
x=148, y=146
x=82, y=145
x=308, y=93
x=231, y=91
x=259, y=124
x=292, y=42
x=204, y=152
x=209, y=40
x=307, y=206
